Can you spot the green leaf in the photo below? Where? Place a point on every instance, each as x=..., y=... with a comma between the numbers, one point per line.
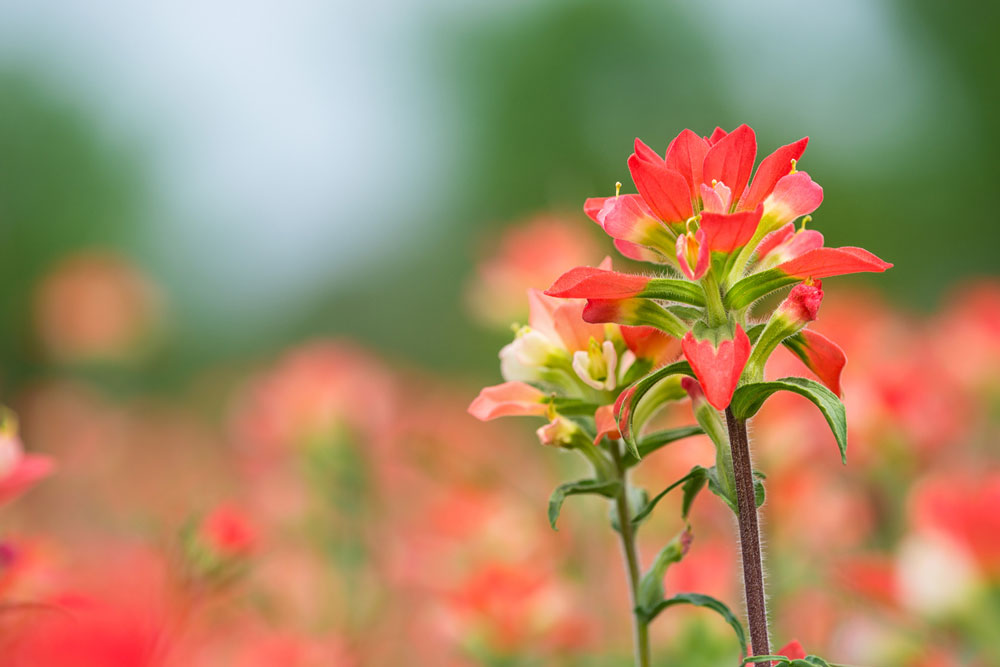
x=755, y=286
x=654, y=441
x=671, y=289
x=606, y=488
x=699, y=600
x=694, y=484
x=808, y=661
x=697, y=473
x=640, y=389
x=749, y=398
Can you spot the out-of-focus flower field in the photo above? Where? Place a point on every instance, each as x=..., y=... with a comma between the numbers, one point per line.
x=326, y=506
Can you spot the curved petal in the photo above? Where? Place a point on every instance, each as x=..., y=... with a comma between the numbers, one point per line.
x=604, y=420
x=772, y=168
x=718, y=134
x=826, y=262
x=793, y=196
x=726, y=233
x=586, y=282
x=665, y=190
x=823, y=357
x=629, y=218
x=508, y=399
x=686, y=155
x=730, y=161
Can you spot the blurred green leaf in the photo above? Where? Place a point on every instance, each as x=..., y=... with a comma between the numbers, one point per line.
x=606, y=488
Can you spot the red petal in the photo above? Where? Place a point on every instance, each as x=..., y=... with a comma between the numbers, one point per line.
x=717, y=135
x=730, y=161
x=793, y=196
x=726, y=233
x=593, y=205
x=622, y=409
x=772, y=168
x=826, y=262
x=585, y=282
x=702, y=258
x=793, y=650
x=665, y=190
x=638, y=252
x=507, y=399
x=824, y=358
x=686, y=155
x=774, y=239
x=629, y=218
x=604, y=420
x=645, y=152
x=718, y=370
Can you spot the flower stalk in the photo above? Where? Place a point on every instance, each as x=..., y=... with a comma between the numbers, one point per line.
x=640, y=626
x=750, y=551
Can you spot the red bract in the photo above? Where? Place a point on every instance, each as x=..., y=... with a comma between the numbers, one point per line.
x=718, y=369
x=726, y=233
x=793, y=650
x=713, y=174
x=826, y=262
x=507, y=399
x=590, y=283
x=604, y=420
x=823, y=357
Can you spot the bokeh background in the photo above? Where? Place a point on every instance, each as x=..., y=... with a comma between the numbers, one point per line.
x=228, y=226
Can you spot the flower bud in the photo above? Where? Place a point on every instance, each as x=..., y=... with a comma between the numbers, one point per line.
x=802, y=303
x=799, y=308
x=562, y=432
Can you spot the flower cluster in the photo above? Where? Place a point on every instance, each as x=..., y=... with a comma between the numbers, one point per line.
x=597, y=358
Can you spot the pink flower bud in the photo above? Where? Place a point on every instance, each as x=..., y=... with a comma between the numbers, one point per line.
x=802, y=303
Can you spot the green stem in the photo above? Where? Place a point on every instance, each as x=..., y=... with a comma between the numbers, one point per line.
x=627, y=533
x=713, y=301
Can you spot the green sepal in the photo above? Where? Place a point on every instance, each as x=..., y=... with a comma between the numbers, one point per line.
x=607, y=488
x=699, y=600
x=687, y=313
x=672, y=289
x=749, y=398
x=755, y=286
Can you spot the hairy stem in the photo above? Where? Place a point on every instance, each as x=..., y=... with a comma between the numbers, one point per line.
x=627, y=533
x=753, y=569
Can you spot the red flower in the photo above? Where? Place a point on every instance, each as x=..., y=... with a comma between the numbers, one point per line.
x=718, y=369
x=229, y=532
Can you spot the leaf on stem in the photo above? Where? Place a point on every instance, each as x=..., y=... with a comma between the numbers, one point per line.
x=749, y=398
x=699, y=600
x=606, y=488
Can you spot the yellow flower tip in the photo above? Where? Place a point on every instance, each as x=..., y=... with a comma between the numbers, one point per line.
x=618, y=188
x=715, y=181
x=794, y=163
x=809, y=281
x=550, y=412
x=805, y=220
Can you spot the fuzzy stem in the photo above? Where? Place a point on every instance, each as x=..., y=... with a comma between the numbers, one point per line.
x=753, y=569
x=639, y=625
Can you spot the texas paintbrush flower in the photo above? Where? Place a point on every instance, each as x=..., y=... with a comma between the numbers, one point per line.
x=723, y=237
